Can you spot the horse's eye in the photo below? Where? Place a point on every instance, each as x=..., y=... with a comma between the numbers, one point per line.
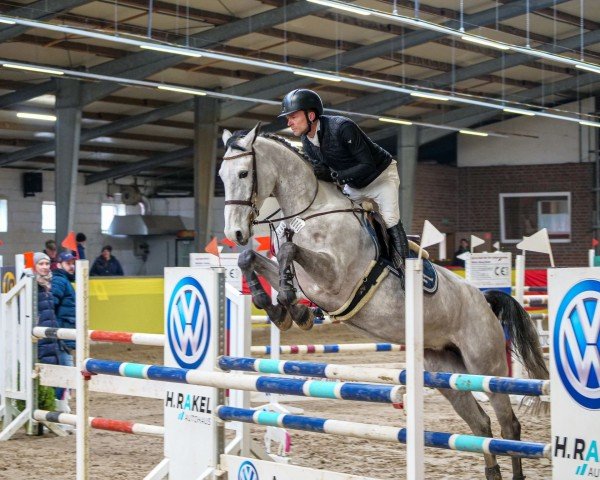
x=243, y=174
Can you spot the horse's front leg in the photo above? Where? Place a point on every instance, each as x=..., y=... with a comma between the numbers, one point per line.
x=315, y=264
x=252, y=263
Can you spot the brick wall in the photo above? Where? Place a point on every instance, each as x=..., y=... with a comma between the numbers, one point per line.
x=467, y=200
x=480, y=188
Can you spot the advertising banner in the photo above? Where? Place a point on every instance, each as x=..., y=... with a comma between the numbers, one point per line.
x=490, y=271
x=574, y=306
x=191, y=338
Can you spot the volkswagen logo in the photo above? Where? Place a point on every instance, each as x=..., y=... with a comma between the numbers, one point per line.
x=188, y=323
x=247, y=471
x=576, y=343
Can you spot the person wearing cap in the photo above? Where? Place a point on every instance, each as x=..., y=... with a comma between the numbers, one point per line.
x=341, y=152
x=64, y=309
x=106, y=265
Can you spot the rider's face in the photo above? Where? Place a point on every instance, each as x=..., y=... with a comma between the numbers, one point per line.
x=297, y=122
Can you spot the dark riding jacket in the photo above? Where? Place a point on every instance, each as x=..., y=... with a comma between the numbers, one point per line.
x=345, y=153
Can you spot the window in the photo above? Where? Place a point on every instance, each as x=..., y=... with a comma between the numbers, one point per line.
x=108, y=212
x=523, y=214
x=3, y=215
x=48, y=217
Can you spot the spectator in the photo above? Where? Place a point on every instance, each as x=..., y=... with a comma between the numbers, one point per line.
x=64, y=308
x=81, y=238
x=47, y=348
x=463, y=247
x=51, y=250
x=106, y=265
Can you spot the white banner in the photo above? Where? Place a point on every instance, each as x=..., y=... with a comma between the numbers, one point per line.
x=191, y=341
x=240, y=468
x=574, y=306
x=489, y=270
x=229, y=261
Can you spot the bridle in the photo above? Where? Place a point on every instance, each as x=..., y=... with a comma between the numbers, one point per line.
x=251, y=202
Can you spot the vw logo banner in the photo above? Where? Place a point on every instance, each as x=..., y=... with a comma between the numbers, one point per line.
x=191, y=299
x=574, y=307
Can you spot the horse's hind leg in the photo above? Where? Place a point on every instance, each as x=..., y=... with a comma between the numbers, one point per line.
x=464, y=404
x=250, y=262
x=510, y=428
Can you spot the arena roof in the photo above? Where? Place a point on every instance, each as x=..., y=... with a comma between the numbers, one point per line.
x=372, y=57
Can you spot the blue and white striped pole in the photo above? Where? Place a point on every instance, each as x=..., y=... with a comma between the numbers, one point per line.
x=465, y=443
x=352, y=373
x=286, y=386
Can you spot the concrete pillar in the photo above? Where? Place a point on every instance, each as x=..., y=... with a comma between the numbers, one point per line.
x=67, y=133
x=408, y=152
x=205, y=161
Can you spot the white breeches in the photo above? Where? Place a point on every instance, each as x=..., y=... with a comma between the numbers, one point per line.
x=384, y=191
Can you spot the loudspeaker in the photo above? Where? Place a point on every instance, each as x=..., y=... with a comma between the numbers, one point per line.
x=32, y=183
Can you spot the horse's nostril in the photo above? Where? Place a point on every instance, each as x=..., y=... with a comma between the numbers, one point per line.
x=238, y=235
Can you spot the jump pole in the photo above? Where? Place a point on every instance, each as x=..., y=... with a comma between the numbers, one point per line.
x=413, y=319
x=82, y=352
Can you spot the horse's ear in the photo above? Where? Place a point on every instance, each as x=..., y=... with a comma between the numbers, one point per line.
x=251, y=137
x=226, y=136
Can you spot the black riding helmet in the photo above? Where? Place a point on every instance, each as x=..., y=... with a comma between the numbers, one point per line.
x=301, y=99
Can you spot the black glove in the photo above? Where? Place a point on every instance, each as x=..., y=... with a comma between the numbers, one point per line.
x=322, y=172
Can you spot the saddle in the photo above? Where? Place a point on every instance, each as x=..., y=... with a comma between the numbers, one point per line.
x=373, y=223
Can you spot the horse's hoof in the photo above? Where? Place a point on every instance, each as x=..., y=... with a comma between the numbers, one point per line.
x=302, y=316
x=280, y=317
x=493, y=473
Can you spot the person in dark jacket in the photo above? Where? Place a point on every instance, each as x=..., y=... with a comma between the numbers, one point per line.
x=80, y=238
x=64, y=309
x=106, y=265
x=48, y=348
x=341, y=152
x=64, y=294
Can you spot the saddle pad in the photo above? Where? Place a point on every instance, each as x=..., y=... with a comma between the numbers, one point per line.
x=430, y=275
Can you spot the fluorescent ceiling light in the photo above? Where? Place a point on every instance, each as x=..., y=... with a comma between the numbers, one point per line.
x=51, y=71
x=431, y=96
x=588, y=67
x=519, y=111
x=176, y=51
x=589, y=124
x=395, y=120
x=341, y=6
x=483, y=41
x=37, y=116
x=474, y=132
x=8, y=22
x=189, y=91
x=317, y=75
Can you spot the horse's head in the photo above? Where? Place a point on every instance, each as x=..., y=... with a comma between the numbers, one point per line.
x=245, y=188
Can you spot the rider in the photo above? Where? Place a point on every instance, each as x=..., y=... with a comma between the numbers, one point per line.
x=341, y=152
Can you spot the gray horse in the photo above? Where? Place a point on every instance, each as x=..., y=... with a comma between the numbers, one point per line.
x=329, y=255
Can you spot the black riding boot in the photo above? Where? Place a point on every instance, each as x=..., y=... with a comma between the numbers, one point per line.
x=399, y=245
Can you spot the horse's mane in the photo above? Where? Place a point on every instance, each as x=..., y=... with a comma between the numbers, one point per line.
x=271, y=136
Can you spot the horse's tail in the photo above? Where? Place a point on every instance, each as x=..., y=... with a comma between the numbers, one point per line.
x=521, y=330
